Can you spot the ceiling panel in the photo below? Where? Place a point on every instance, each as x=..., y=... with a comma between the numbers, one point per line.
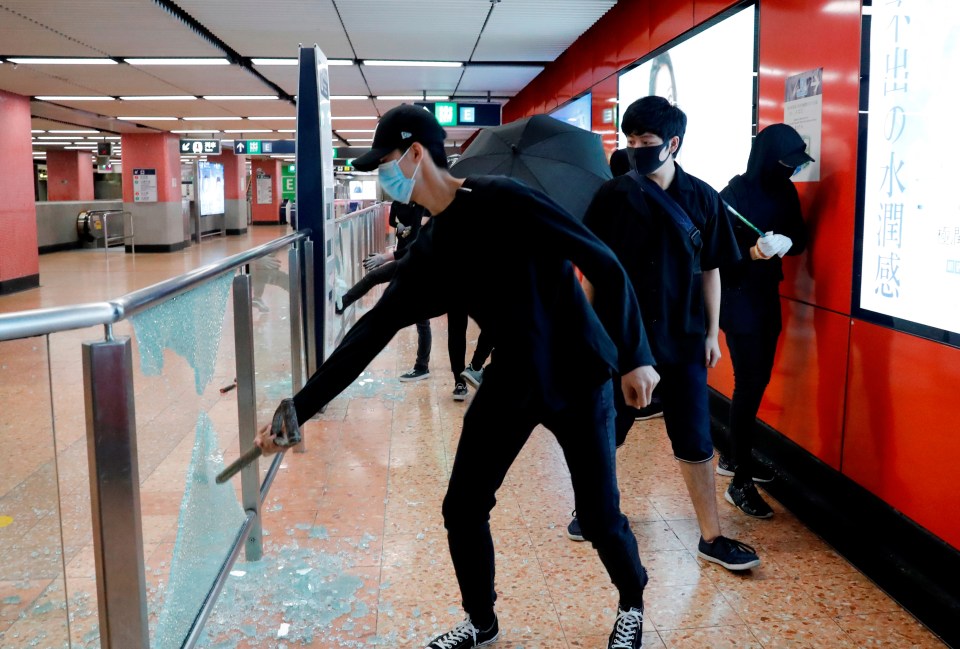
x=344, y=79
x=145, y=28
x=32, y=80
x=537, y=30
x=112, y=80
x=354, y=107
x=211, y=80
x=499, y=80
x=413, y=29
x=19, y=36
x=407, y=81
x=246, y=108
x=274, y=28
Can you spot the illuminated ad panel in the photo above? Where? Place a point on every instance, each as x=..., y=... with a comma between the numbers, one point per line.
x=710, y=77
x=577, y=112
x=909, y=245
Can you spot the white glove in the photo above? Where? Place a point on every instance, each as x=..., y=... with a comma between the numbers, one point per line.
x=768, y=244
x=403, y=230
x=375, y=261
x=785, y=244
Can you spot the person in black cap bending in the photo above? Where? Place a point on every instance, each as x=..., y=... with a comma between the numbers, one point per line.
x=556, y=360
x=750, y=297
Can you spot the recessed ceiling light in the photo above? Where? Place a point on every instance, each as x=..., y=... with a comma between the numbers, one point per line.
x=413, y=97
x=287, y=130
x=160, y=98
x=361, y=140
x=279, y=119
x=346, y=97
x=198, y=130
x=238, y=97
x=73, y=98
x=415, y=64
x=77, y=131
x=213, y=119
x=355, y=130
x=357, y=117
x=247, y=130
x=37, y=131
x=62, y=61
x=148, y=119
x=179, y=61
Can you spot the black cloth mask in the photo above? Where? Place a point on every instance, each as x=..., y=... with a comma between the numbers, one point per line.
x=646, y=159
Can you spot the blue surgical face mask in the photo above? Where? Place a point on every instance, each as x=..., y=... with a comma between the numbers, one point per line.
x=394, y=183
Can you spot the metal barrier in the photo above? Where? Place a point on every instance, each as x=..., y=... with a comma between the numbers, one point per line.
x=112, y=436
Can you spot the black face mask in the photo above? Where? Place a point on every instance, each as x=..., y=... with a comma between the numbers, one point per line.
x=647, y=159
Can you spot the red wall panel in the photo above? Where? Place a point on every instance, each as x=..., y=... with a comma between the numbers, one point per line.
x=18, y=214
x=901, y=438
x=668, y=20
x=69, y=176
x=160, y=151
x=704, y=10
x=266, y=212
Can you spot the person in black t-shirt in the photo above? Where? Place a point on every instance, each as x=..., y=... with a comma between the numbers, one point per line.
x=556, y=360
x=750, y=299
x=677, y=281
x=380, y=267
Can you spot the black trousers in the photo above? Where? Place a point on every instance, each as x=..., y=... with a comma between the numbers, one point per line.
x=752, y=355
x=457, y=345
x=382, y=275
x=495, y=428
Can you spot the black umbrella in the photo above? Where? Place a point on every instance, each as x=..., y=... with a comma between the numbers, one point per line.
x=564, y=162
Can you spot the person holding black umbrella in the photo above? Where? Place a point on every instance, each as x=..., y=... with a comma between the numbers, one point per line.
x=554, y=361
x=671, y=232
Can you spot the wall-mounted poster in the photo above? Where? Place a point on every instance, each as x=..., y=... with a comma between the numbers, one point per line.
x=264, y=189
x=803, y=110
x=144, y=185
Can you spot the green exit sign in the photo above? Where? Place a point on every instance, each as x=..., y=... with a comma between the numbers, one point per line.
x=446, y=113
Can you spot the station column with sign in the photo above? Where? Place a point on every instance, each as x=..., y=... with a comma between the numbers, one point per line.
x=19, y=260
x=69, y=176
x=265, y=176
x=151, y=191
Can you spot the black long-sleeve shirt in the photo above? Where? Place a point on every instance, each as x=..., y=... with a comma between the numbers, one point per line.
x=549, y=342
x=410, y=215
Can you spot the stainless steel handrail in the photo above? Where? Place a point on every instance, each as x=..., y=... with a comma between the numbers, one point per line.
x=358, y=213
x=39, y=322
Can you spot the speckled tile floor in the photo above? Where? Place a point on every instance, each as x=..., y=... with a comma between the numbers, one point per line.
x=355, y=553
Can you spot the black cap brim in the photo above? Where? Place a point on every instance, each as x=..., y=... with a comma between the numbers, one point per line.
x=796, y=159
x=370, y=160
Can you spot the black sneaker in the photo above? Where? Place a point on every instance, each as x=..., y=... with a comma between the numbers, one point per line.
x=628, y=631
x=725, y=467
x=415, y=375
x=465, y=635
x=746, y=498
x=574, y=533
x=729, y=553
x=763, y=473
x=460, y=391
x=472, y=376
x=651, y=411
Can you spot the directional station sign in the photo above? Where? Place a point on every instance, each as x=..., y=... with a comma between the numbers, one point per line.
x=264, y=147
x=200, y=147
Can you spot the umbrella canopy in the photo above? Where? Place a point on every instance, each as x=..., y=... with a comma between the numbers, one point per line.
x=564, y=162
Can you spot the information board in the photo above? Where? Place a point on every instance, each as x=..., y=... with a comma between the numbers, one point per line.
x=144, y=185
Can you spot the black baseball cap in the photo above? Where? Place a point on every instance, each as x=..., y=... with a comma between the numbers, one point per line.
x=398, y=129
x=796, y=158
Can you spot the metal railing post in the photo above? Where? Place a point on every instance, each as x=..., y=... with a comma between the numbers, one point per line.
x=296, y=327
x=311, y=311
x=247, y=407
x=115, y=493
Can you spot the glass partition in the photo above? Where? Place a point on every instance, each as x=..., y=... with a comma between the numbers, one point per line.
x=34, y=604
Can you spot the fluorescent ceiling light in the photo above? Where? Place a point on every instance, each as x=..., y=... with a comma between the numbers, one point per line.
x=339, y=62
x=413, y=97
x=280, y=119
x=62, y=61
x=349, y=97
x=37, y=131
x=148, y=119
x=160, y=98
x=59, y=143
x=112, y=137
x=212, y=119
x=175, y=61
x=287, y=130
x=355, y=130
x=198, y=130
x=238, y=97
x=73, y=98
x=274, y=61
x=357, y=117
x=416, y=64
x=247, y=130
x=361, y=140
x=81, y=148
x=77, y=131
x=52, y=137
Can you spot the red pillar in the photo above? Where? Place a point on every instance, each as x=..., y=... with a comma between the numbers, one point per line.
x=160, y=222
x=235, y=190
x=69, y=176
x=266, y=205
x=19, y=259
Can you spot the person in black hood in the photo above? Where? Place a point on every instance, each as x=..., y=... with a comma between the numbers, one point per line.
x=750, y=297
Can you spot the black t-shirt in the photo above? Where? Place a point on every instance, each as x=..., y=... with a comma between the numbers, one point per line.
x=663, y=271
x=410, y=215
x=550, y=345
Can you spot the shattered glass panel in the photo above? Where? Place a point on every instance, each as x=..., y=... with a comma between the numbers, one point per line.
x=184, y=355
x=33, y=604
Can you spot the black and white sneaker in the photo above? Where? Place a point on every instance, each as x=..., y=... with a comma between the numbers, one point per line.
x=460, y=391
x=465, y=635
x=574, y=533
x=725, y=467
x=628, y=631
x=763, y=473
x=729, y=553
x=472, y=376
x=415, y=375
x=746, y=498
